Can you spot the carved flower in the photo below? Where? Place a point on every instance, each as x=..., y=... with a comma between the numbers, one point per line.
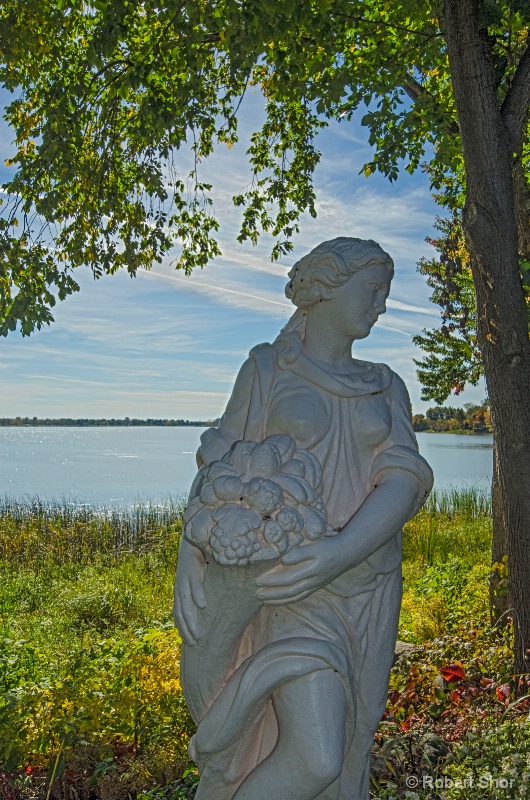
x=273, y=533
x=290, y=519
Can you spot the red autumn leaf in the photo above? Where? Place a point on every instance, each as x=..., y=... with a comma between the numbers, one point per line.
x=452, y=673
x=456, y=696
x=503, y=692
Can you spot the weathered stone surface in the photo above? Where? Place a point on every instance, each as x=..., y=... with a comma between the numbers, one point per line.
x=404, y=650
x=289, y=573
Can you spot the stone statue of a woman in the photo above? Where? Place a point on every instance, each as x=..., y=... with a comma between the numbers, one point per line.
x=287, y=651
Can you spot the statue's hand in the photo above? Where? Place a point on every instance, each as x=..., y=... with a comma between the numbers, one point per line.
x=302, y=571
x=188, y=592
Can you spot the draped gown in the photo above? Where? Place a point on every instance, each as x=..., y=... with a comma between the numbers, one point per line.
x=356, y=425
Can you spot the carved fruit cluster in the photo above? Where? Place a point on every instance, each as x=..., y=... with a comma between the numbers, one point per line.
x=260, y=501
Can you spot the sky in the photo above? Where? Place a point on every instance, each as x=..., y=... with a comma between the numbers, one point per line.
x=164, y=345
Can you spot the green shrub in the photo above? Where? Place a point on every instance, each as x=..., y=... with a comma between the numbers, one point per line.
x=492, y=763
x=438, y=598
x=100, y=610
x=117, y=690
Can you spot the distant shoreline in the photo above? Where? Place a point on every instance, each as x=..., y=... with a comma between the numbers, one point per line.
x=460, y=432
x=68, y=422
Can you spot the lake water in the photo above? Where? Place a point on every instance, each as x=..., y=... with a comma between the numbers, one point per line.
x=118, y=466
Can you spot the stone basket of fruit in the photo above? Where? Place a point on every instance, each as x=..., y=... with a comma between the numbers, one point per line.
x=257, y=503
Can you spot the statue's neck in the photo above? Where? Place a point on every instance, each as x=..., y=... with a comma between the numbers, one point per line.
x=327, y=347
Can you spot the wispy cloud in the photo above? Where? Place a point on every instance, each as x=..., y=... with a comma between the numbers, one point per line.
x=166, y=345
x=399, y=306
x=236, y=297
x=394, y=329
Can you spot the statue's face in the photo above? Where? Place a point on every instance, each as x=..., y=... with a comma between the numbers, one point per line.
x=355, y=306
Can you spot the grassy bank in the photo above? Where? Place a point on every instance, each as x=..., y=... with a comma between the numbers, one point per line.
x=88, y=651
x=90, y=700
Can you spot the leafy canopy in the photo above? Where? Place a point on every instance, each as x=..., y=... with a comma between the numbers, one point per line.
x=107, y=92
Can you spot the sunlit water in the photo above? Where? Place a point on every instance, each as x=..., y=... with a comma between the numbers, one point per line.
x=118, y=466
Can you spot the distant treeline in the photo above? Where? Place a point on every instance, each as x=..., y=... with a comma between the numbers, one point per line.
x=19, y=422
x=446, y=419
x=439, y=419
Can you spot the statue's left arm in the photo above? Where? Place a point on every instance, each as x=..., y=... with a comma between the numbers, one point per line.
x=401, y=481
x=399, y=453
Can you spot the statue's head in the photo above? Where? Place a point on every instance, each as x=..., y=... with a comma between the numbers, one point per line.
x=323, y=276
x=331, y=264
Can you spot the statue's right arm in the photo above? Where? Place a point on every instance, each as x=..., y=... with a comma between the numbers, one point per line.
x=188, y=593
x=215, y=442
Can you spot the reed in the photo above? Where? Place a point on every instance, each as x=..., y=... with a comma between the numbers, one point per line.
x=454, y=522
x=472, y=502
x=34, y=532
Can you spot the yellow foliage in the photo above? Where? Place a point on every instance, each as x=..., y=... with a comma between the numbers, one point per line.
x=425, y=618
x=128, y=691
x=157, y=673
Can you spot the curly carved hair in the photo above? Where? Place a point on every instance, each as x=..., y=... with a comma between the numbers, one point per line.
x=329, y=265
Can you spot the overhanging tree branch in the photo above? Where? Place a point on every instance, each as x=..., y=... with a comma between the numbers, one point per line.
x=415, y=90
x=390, y=25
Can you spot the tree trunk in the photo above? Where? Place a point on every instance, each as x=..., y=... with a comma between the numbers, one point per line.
x=500, y=595
x=502, y=322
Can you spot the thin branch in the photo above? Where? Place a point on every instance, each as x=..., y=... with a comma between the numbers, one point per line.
x=390, y=25
x=110, y=65
x=238, y=105
x=517, y=101
x=415, y=90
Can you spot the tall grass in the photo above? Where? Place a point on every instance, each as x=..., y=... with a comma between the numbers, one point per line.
x=33, y=532
x=454, y=522
x=471, y=502
x=88, y=650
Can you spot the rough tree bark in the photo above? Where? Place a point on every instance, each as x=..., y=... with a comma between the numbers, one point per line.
x=500, y=596
x=491, y=149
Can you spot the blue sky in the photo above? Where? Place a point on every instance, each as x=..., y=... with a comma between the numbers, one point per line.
x=164, y=345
